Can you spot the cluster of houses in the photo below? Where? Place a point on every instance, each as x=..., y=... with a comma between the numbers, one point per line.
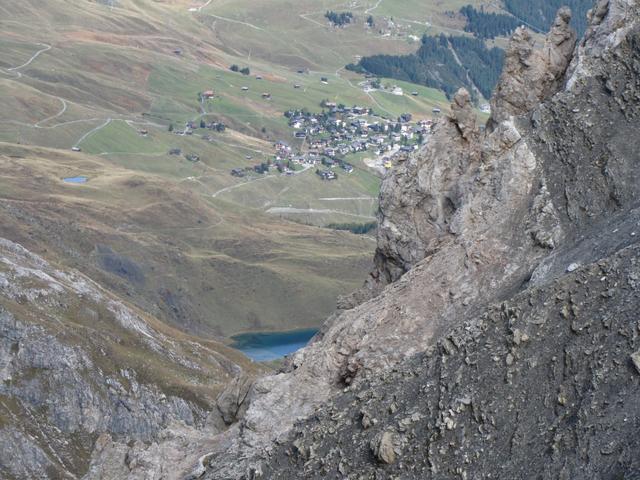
x=340, y=130
x=286, y=161
x=373, y=84
x=327, y=138
x=191, y=126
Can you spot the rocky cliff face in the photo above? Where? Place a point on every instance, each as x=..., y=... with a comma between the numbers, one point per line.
x=543, y=385
x=504, y=255
x=80, y=369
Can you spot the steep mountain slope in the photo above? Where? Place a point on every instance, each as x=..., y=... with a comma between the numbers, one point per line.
x=497, y=336
x=175, y=235
x=523, y=207
x=78, y=364
x=540, y=386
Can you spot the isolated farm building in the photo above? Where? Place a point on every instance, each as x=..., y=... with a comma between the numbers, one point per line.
x=266, y=95
x=405, y=117
x=328, y=162
x=238, y=172
x=261, y=168
x=347, y=167
x=327, y=174
x=208, y=94
x=397, y=91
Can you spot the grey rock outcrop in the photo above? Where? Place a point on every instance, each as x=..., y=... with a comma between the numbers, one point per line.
x=467, y=223
x=532, y=75
x=463, y=114
x=81, y=371
x=231, y=402
x=420, y=197
x=519, y=391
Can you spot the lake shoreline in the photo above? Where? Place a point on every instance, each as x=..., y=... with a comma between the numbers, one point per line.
x=271, y=345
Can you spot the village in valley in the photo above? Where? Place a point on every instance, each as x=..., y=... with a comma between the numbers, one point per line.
x=329, y=138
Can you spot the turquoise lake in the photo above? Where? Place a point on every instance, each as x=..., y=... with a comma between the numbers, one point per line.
x=261, y=347
x=75, y=179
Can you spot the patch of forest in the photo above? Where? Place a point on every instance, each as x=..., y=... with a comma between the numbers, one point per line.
x=488, y=25
x=541, y=13
x=444, y=62
x=357, y=228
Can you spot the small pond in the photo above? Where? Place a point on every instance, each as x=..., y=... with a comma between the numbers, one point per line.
x=262, y=347
x=75, y=179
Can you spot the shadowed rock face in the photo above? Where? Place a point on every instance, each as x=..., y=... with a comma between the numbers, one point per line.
x=540, y=386
x=536, y=216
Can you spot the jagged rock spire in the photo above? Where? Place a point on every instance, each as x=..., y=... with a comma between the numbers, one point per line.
x=532, y=75
x=463, y=115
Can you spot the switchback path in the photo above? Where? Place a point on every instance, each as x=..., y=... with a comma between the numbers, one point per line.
x=64, y=109
x=92, y=131
x=369, y=10
x=28, y=62
x=238, y=185
x=255, y=27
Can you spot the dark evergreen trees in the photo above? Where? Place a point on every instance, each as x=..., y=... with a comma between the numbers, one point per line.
x=488, y=25
x=357, y=228
x=541, y=13
x=339, y=19
x=435, y=65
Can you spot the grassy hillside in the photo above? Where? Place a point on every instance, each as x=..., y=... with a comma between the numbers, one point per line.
x=184, y=239
x=197, y=262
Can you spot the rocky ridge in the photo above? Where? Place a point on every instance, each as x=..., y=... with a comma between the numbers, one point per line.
x=473, y=221
x=540, y=386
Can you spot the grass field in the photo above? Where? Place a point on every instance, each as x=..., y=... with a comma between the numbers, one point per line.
x=219, y=253
x=205, y=264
